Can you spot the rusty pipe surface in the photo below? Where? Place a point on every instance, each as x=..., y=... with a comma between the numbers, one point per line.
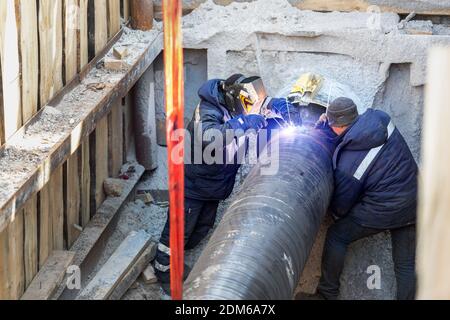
x=142, y=14
x=260, y=248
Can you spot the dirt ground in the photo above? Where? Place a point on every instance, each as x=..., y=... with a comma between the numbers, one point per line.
x=138, y=216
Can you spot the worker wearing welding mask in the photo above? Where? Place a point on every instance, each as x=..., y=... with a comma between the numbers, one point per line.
x=235, y=105
x=375, y=191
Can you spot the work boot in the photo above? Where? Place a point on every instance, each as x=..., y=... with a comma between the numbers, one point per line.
x=309, y=296
x=165, y=285
x=165, y=291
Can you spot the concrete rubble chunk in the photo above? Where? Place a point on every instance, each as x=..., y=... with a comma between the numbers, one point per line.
x=113, y=187
x=120, y=52
x=149, y=276
x=114, y=64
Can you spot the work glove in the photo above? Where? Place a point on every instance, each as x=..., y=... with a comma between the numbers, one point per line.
x=251, y=121
x=323, y=120
x=286, y=110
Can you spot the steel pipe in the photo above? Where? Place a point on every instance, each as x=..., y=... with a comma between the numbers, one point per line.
x=260, y=248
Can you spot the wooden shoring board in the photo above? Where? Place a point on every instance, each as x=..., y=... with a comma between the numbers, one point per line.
x=50, y=276
x=116, y=268
x=134, y=272
x=92, y=240
x=10, y=72
x=115, y=136
x=92, y=109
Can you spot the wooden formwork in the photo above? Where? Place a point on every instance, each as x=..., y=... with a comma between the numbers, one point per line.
x=44, y=44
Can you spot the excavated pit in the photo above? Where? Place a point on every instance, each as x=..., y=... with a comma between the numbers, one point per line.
x=384, y=66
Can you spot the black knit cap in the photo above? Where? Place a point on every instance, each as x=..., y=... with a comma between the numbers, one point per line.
x=342, y=112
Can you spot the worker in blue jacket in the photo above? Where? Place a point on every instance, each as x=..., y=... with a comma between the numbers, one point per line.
x=226, y=106
x=375, y=190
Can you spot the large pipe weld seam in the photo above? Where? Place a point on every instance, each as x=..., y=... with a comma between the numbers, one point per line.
x=260, y=248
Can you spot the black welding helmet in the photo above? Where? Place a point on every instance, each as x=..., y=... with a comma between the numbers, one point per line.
x=244, y=95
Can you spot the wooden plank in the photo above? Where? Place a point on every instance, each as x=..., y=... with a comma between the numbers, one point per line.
x=83, y=34
x=31, y=254
x=113, y=17
x=89, y=245
x=85, y=184
x=29, y=58
x=50, y=276
x=45, y=226
x=434, y=192
x=72, y=199
x=115, y=142
x=101, y=160
x=101, y=131
x=129, y=151
x=126, y=10
x=15, y=256
x=101, y=24
x=85, y=173
x=72, y=209
x=2, y=116
x=96, y=105
x=114, y=270
x=57, y=209
x=51, y=48
x=10, y=55
x=51, y=217
x=133, y=274
x=428, y=7
x=71, y=27
x=5, y=292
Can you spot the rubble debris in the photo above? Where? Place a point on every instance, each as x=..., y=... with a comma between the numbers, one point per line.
x=149, y=276
x=113, y=187
x=120, y=52
x=145, y=197
x=114, y=64
x=96, y=86
x=109, y=278
x=403, y=23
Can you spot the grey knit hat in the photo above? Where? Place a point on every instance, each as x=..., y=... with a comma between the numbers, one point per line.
x=342, y=112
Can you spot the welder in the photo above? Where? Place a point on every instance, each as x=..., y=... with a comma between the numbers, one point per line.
x=375, y=191
x=235, y=106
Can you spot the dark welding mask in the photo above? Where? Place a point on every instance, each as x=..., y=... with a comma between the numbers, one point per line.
x=244, y=95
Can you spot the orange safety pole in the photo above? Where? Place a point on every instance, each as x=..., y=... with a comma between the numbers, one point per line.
x=174, y=93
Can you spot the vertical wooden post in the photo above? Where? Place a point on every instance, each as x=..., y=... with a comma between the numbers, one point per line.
x=29, y=59
x=434, y=203
x=113, y=17
x=2, y=116
x=142, y=14
x=31, y=254
x=9, y=55
x=115, y=143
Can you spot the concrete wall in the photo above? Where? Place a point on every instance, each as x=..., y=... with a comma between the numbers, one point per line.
x=382, y=65
x=402, y=6
x=195, y=73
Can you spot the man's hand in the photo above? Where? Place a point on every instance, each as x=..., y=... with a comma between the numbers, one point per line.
x=286, y=110
x=322, y=120
x=252, y=121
